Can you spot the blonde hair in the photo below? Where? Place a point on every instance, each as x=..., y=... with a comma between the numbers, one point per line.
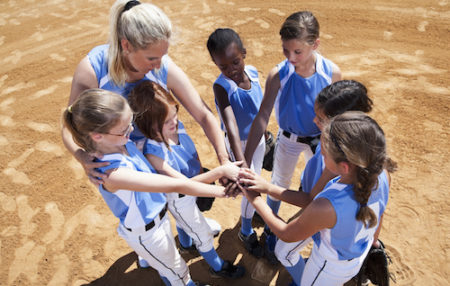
x=356, y=138
x=141, y=25
x=150, y=104
x=95, y=110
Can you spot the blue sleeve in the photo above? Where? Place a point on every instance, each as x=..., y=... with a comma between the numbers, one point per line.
x=99, y=62
x=113, y=164
x=154, y=148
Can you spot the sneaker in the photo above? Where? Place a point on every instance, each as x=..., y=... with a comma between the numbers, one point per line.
x=251, y=244
x=188, y=250
x=200, y=284
x=228, y=271
x=268, y=253
x=214, y=225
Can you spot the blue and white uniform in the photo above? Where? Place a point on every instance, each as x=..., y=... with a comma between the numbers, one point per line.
x=98, y=58
x=288, y=252
x=183, y=158
x=143, y=223
x=339, y=252
x=245, y=105
x=313, y=170
x=294, y=111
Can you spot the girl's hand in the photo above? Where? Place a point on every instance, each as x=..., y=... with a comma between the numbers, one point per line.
x=230, y=170
x=251, y=195
x=87, y=161
x=232, y=189
x=252, y=181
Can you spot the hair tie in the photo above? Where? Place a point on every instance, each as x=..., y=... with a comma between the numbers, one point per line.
x=334, y=140
x=69, y=108
x=363, y=205
x=130, y=4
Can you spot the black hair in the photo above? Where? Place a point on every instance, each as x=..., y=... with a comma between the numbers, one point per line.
x=343, y=96
x=221, y=38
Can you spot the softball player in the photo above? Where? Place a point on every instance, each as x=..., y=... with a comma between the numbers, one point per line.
x=337, y=98
x=172, y=152
x=292, y=87
x=344, y=217
x=101, y=122
x=137, y=51
x=238, y=96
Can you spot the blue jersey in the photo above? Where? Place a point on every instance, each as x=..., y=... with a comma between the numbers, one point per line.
x=245, y=103
x=313, y=170
x=98, y=57
x=182, y=157
x=134, y=209
x=294, y=105
x=349, y=238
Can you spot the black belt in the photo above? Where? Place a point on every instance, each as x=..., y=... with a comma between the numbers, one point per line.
x=151, y=224
x=300, y=139
x=181, y=195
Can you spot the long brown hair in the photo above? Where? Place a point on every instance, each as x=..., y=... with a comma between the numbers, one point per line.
x=356, y=138
x=150, y=103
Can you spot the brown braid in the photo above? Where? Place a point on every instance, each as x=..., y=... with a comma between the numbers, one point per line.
x=356, y=138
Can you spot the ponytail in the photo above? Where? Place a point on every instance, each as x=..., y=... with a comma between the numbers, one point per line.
x=356, y=138
x=366, y=181
x=95, y=111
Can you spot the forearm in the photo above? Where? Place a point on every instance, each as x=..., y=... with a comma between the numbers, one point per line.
x=209, y=177
x=215, y=136
x=127, y=179
x=274, y=222
x=296, y=198
x=377, y=232
x=259, y=125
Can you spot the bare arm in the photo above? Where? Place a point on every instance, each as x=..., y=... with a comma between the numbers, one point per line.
x=228, y=170
x=179, y=84
x=229, y=120
x=256, y=183
x=84, y=78
x=326, y=176
x=318, y=215
x=127, y=179
x=377, y=232
x=261, y=120
x=337, y=75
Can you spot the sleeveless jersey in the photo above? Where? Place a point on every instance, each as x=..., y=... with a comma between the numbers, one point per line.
x=294, y=105
x=182, y=157
x=349, y=238
x=134, y=209
x=98, y=57
x=245, y=103
x=313, y=170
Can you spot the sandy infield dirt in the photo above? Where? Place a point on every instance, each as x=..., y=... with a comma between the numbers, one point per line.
x=57, y=230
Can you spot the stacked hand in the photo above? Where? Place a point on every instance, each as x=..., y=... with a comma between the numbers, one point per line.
x=252, y=184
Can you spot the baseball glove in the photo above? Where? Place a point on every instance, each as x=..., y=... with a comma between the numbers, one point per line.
x=268, y=155
x=375, y=267
x=205, y=203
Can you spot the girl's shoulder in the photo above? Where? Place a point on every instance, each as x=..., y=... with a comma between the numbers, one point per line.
x=119, y=160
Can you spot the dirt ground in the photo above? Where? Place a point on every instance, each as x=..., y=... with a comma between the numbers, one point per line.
x=55, y=227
